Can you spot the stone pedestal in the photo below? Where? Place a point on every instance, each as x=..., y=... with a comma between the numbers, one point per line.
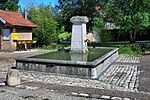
x=78, y=41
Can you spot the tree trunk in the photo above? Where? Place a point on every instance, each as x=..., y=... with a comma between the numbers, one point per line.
x=132, y=35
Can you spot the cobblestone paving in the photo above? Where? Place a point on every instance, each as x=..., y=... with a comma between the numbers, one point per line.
x=124, y=77
x=128, y=59
x=124, y=74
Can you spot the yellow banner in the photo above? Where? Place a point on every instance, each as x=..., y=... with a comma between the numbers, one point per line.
x=14, y=36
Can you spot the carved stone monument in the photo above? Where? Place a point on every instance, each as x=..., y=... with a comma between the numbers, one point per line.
x=78, y=41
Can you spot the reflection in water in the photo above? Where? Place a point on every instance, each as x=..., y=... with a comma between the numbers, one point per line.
x=79, y=57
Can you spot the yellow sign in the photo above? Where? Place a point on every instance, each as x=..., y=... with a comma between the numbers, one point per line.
x=14, y=36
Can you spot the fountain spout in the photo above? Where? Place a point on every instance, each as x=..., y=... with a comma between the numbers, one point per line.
x=78, y=44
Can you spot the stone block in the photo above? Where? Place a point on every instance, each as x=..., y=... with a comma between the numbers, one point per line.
x=105, y=97
x=13, y=77
x=116, y=98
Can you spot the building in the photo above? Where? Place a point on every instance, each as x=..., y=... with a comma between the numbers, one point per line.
x=14, y=30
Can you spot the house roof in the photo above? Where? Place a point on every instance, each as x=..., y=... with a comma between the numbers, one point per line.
x=15, y=19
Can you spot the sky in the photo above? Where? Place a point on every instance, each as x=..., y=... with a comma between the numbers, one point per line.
x=23, y=3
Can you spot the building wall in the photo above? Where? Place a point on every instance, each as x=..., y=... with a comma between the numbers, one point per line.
x=6, y=46
x=0, y=38
x=1, y=35
x=23, y=34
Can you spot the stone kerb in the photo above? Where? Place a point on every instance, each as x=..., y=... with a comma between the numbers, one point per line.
x=79, y=19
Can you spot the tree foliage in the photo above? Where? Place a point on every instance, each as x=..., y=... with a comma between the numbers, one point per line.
x=99, y=27
x=11, y=5
x=43, y=16
x=130, y=15
x=63, y=35
x=69, y=8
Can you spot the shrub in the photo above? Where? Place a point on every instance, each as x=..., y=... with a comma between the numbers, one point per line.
x=64, y=36
x=134, y=49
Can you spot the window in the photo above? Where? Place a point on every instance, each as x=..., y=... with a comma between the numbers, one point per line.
x=6, y=34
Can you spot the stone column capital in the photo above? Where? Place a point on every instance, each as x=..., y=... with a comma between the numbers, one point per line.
x=79, y=19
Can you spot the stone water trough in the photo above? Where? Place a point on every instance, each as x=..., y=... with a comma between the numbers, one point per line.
x=81, y=69
x=78, y=65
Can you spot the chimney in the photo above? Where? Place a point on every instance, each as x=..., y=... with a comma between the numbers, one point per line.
x=26, y=14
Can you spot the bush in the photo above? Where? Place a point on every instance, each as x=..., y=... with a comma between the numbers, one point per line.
x=134, y=49
x=64, y=36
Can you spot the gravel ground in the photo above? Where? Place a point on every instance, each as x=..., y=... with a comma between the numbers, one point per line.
x=31, y=89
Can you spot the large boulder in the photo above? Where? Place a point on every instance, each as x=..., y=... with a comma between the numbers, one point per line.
x=13, y=77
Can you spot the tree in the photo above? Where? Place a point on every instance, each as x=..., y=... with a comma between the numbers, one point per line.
x=69, y=8
x=99, y=27
x=11, y=5
x=46, y=32
x=130, y=15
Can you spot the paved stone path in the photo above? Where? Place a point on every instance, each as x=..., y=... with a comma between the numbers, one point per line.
x=128, y=59
x=124, y=74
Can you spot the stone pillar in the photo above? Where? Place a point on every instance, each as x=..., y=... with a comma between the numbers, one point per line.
x=78, y=40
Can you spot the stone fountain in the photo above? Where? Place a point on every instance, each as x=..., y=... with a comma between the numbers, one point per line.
x=77, y=63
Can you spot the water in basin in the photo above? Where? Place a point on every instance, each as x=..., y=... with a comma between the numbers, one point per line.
x=93, y=54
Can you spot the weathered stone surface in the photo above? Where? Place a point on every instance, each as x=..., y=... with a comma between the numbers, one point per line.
x=78, y=40
x=13, y=77
x=2, y=84
x=126, y=99
x=108, y=86
x=84, y=94
x=105, y=97
x=79, y=19
x=116, y=98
